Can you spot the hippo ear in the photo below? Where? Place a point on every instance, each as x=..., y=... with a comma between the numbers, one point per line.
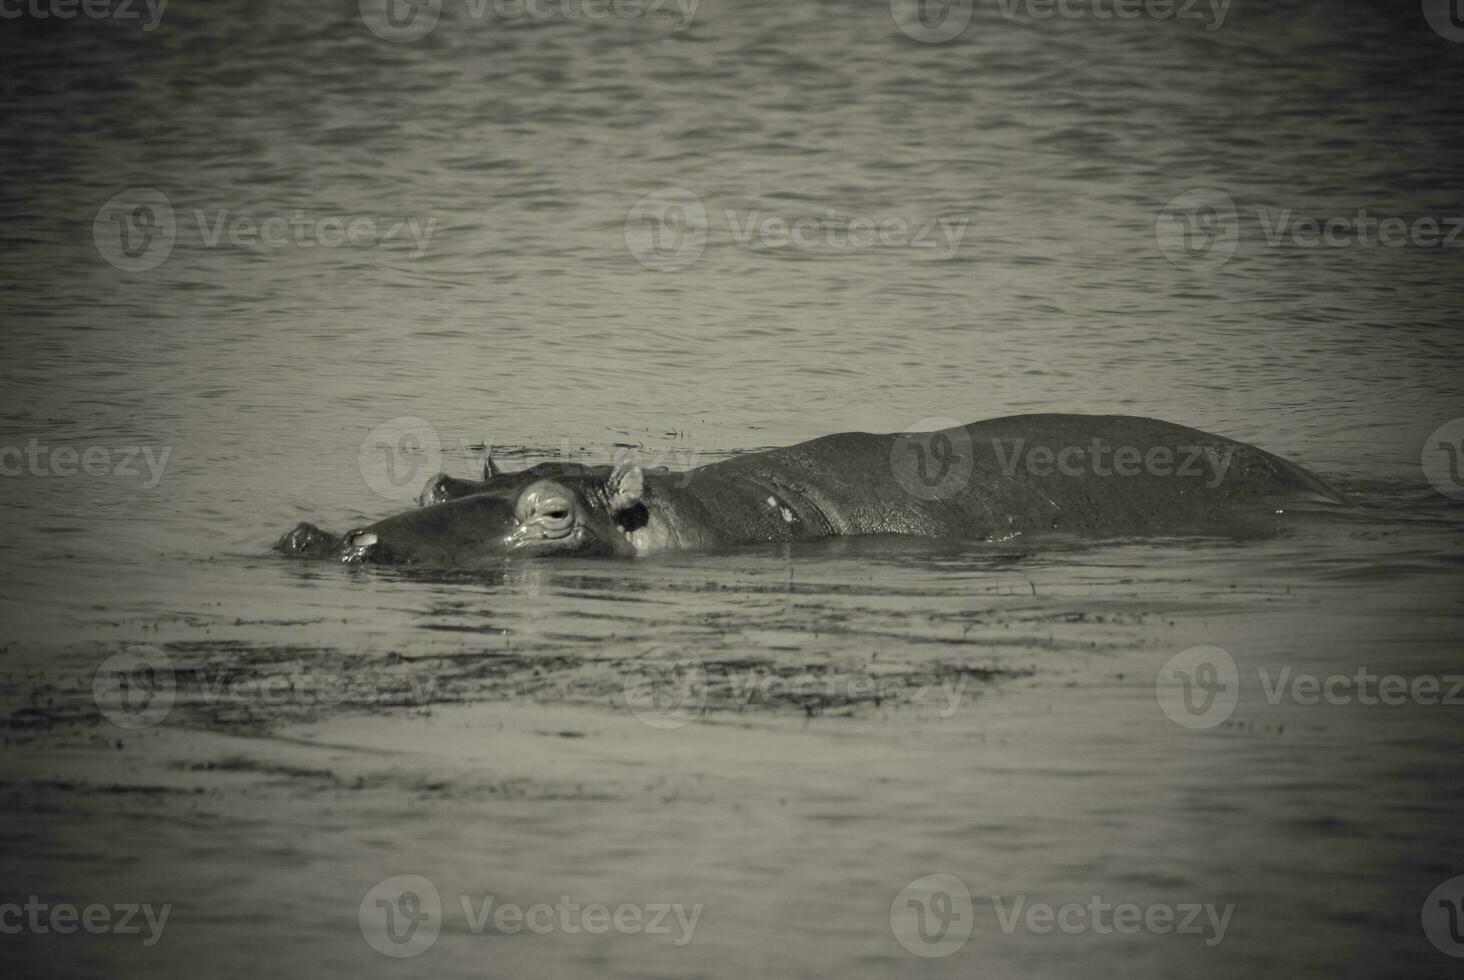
x=626, y=485
x=490, y=468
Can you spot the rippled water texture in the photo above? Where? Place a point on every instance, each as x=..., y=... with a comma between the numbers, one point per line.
x=1004, y=728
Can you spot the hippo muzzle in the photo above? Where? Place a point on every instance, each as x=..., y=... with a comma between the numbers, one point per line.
x=309, y=541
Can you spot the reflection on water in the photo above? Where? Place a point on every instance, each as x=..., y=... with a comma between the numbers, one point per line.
x=161, y=426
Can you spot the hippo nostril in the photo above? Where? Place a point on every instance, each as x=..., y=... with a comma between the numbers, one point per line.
x=358, y=546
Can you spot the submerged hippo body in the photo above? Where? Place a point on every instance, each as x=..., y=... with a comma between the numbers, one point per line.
x=1072, y=473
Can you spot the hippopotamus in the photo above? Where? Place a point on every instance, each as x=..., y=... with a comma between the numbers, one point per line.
x=1081, y=474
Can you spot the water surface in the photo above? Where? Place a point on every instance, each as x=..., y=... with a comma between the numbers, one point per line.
x=327, y=383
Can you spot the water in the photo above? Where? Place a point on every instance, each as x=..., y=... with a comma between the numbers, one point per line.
x=794, y=812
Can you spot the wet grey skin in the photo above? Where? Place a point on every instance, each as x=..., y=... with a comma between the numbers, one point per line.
x=986, y=480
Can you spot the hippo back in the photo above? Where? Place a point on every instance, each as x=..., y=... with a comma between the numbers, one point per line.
x=1085, y=473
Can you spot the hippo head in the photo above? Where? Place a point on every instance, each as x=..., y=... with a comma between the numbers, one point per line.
x=442, y=487
x=585, y=511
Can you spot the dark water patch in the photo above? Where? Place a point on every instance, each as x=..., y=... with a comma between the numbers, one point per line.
x=244, y=764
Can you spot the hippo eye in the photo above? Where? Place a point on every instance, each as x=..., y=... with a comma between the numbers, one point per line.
x=554, y=512
x=547, y=505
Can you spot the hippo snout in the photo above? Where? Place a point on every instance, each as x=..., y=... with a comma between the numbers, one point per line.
x=309, y=541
